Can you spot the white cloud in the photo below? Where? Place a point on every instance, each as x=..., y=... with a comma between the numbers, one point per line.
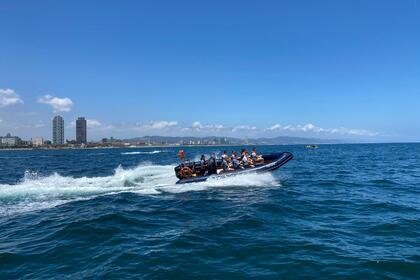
x=93, y=123
x=218, y=126
x=361, y=132
x=160, y=124
x=59, y=104
x=198, y=126
x=244, y=128
x=108, y=127
x=8, y=97
x=275, y=127
x=311, y=128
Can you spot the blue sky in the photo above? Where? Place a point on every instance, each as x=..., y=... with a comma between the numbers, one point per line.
x=327, y=69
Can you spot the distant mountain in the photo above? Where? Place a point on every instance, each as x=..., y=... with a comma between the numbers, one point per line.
x=217, y=140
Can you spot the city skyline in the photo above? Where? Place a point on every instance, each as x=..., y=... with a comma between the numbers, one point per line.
x=58, y=132
x=345, y=72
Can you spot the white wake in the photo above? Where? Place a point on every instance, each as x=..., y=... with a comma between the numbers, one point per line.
x=143, y=153
x=35, y=192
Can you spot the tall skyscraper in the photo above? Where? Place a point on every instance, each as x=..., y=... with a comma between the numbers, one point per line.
x=81, y=137
x=58, y=130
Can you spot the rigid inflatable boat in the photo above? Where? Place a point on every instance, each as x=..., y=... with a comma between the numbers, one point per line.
x=271, y=162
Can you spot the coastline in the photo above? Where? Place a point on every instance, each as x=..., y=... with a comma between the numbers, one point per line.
x=128, y=147
x=144, y=147
x=187, y=146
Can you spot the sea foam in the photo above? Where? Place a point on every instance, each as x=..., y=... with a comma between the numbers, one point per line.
x=143, y=153
x=36, y=192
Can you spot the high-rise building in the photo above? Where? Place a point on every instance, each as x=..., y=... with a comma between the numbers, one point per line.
x=58, y=130
x=81, y=137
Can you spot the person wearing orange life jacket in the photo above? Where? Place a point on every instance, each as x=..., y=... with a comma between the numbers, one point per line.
x=186, y=171
x=181, y=155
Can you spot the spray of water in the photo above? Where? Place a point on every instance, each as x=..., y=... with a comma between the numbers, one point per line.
x=143, y=153
x=37, y=192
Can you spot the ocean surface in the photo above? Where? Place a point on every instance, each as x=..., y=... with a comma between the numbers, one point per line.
x=337, y=212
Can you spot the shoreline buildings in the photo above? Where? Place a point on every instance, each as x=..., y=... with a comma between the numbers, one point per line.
x=37, y=141
x=58, y=130
x=9, y=140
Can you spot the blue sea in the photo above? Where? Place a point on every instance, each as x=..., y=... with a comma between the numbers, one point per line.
x=337, y=212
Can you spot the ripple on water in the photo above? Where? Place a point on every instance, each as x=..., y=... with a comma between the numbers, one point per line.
x=342, y=211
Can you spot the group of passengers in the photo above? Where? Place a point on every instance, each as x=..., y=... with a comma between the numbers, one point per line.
x=243, y=161
x=234, y=162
